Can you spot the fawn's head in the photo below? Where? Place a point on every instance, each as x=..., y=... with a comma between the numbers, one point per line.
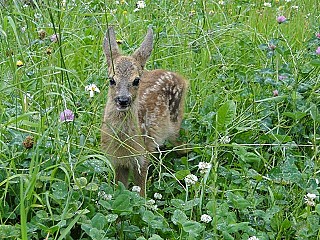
x=125, y=71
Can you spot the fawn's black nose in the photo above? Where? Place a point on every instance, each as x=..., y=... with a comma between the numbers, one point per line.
x=123, y=101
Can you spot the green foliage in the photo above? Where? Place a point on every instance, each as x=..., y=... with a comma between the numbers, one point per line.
x=252, y=121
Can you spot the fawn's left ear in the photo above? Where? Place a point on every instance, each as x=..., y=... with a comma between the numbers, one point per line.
x=144, y=51
x=110, y=46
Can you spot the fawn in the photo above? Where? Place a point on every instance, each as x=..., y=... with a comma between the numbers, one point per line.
x=143, y=110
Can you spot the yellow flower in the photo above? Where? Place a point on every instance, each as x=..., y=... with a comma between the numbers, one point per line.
x=19, y=63
x=192, y=12
x=124, y=12
x=49, y=51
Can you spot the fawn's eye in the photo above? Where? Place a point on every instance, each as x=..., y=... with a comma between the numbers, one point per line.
x=136, y=82
x=112, y=82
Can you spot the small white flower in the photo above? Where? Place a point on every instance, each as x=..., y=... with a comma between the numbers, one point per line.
x=92, y=88
x=191, y=179
x=317, y=181
x=311, y=196
x=288, y=0
x=104, y=196
x=117, y=2
x=23, y=29
x=225, y=139
x=222, y=2
x=204, y=167
x=266, y=4
x=141, y=4
x=157, y=195
x=136, y=189
x=253, y=238
x=295, y=7
x=205, y=218
x=309, y=199
x=151, y=204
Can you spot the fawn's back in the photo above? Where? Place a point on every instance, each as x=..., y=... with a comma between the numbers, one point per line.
x=143, y=110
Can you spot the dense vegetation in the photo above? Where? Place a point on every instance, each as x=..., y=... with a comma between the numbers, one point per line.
x=251, y=124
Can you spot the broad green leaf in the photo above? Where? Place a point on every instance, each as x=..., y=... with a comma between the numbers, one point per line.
x=96, y=234
x=148, y=216
x=59, y=190
x=192, y=227
x=111, y=217
x=225, y=115
x=121, y=203
x=295, y=115
x=98, y=221
x=315, y=62
x=8, y=231
x=177, y=203
x=314, y=112
x=237, y=201
x=178, y=217
x=191, y=203
x=180, y=175
x=236, y=227
x=317, y=208
x=280, y=138
x=155, y=237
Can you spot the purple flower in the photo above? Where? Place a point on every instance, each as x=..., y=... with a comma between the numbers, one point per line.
x=272, y=47
x=318, y=35
x=318, y=51
x=66, y=116
x=275, y=93
x=281, y=19
x=282, y=77
x=54, y=38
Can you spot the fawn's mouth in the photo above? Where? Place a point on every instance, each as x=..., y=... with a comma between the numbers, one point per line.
x=121, y=107
x=123, y=103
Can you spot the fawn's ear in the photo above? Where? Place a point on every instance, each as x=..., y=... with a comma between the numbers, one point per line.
x=110, y=46
x=144, y=51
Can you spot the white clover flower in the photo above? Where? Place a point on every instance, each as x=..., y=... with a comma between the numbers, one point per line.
x=92, y=88
x=253, y=238
x=104, y=196
x=204, y=167
x=157, y=195
x=136, y=189
x=191, y=179
x=141, y=4
x=309, y=199
x=311, y=196
x=266, y=4
x=151, y=204
x=225, y=139
x=205, y=218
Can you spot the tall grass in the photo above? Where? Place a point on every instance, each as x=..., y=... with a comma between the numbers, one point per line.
x=262, y=145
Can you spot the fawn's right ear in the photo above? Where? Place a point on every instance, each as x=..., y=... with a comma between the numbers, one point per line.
x=110, y=46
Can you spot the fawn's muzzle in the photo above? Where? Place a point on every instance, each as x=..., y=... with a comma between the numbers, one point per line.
x=123, y=102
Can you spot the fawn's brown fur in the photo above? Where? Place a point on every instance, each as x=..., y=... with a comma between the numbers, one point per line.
x=143, y=110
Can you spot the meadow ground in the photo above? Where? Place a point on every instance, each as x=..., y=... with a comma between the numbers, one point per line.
x=252, y=121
